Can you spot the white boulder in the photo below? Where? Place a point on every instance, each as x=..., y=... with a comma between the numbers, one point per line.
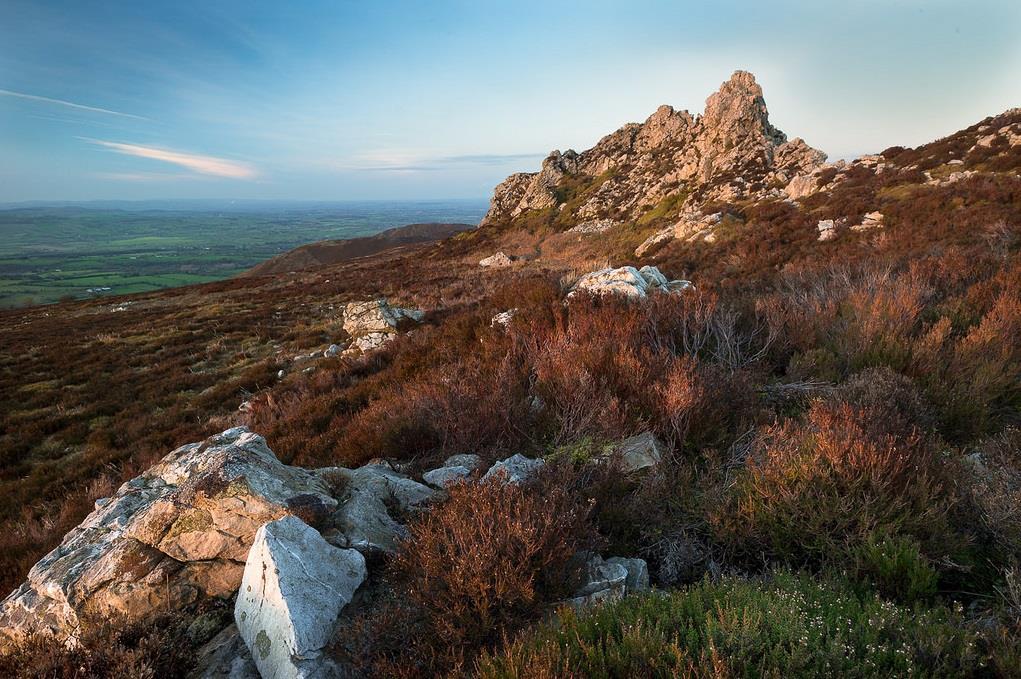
x=496, y=261
x=627, y=281
x=515, y=469
x=169, y=537
x=455, y=468
x=294, y=587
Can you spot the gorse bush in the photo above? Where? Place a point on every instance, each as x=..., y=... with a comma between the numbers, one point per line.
x=784, y=626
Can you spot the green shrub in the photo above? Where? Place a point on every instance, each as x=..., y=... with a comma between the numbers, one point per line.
x=896, y=567
x=787, y=626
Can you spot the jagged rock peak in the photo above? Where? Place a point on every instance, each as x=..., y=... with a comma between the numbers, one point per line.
x=731, y=151
x=739, y=109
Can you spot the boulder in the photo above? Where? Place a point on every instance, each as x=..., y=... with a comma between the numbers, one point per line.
x=503, y=318
x=640, y=452
x=469, y=460
x=608, y=580
x=444, y=476
x=627, y=281
x=294, y=587
x=802, y=186
x=872, y=220
x=369, y=496
x=455, y=468
x=373, y=323
x=827, y=229
x=637, y=573
x=177, y=533
x=361, y=318
x=515, y=469
x=332, y=351
x=496, y=261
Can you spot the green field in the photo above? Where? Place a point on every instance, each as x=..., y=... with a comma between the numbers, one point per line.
x=53, y=253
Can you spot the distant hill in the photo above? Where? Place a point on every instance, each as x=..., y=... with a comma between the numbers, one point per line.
x=327, y=252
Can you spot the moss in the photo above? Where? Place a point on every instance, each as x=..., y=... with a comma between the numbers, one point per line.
x=191, y=521
x=668, y=207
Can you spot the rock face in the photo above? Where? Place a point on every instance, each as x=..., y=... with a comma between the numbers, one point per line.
x=295, y=585
x=627, y=281
x=731, y=151
x=179, y=532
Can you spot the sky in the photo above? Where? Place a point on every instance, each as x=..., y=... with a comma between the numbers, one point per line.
x=334, y=100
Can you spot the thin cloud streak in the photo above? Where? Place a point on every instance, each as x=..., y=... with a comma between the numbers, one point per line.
x=69, y=104
x=384, y=162
x=207, y=165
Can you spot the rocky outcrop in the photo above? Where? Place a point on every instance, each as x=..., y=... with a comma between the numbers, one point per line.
x=872, y=220
x=372, y=324
x=627, y=281
x=367, y=496
x=731, y=151
x=610, y=579
x=179, y=532
x=455, y=468
x=496, y=261
x=691, y=226
x=515, y=469
x=294, y=587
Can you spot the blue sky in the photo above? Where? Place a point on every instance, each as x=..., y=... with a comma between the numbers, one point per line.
x=390, y=100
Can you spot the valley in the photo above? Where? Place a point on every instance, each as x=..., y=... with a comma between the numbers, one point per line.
x=80, y=251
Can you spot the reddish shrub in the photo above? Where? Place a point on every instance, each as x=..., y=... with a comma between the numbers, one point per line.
x=810, y=492
x=473, y=569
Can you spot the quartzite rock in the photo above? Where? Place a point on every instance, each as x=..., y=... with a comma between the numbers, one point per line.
x=179, y=532
x=294, y=587
x=732, y=151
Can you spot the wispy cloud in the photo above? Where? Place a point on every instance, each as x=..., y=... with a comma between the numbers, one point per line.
x=144, y=176
x=208, y=165
x=69, y=104
x=401, y=161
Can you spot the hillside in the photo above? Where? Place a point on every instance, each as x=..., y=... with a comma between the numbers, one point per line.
x=809, y=445
x=324, y=253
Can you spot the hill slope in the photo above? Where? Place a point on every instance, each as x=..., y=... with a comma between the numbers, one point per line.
x=324, y=253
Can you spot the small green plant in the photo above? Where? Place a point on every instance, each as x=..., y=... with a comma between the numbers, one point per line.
x=896, y=567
